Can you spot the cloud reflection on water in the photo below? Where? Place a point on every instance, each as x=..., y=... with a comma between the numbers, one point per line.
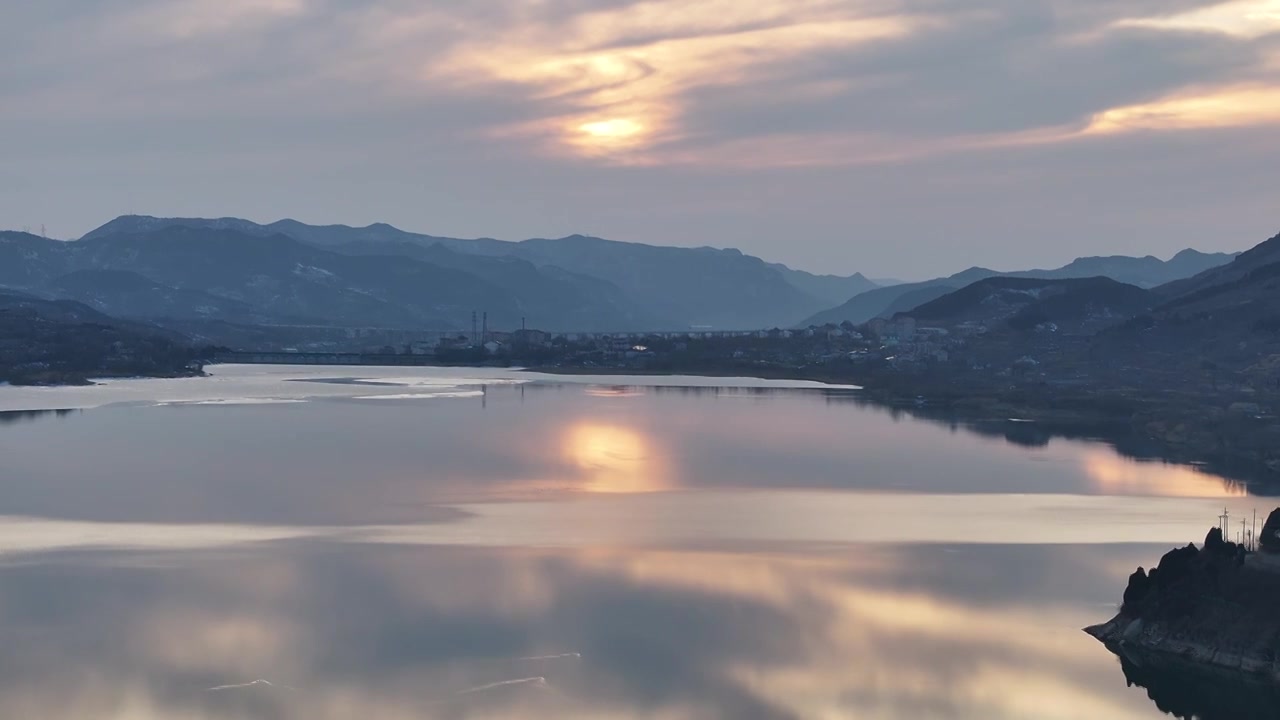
x=396, y=632
x=337, y=461
x=1118, y=476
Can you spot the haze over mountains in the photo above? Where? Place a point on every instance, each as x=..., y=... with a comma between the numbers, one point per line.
x=1228, y=315
x=1144, y=272
x=208, y=275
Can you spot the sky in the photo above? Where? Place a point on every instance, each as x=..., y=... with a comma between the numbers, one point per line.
x=900, y=138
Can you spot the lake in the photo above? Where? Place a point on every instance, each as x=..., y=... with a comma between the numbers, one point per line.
x=289, y=543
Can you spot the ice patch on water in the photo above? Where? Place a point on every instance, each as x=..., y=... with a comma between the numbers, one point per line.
x=277, y=384
x=251, y=385
x=235, y=401
x=433, y=382
x=424, y=396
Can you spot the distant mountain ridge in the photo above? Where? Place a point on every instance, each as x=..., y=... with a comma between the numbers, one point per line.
x=665, y=288
x=226, y=273
x=831, y=288
x=232, y=270
x=1228, y=315
x=1074, y=305
x=1144, y=272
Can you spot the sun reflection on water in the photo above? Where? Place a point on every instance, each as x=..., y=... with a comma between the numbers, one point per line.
x=614, y=459
x=1115, y=475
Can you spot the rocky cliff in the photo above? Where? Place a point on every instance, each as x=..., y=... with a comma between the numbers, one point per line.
x=1217, y=605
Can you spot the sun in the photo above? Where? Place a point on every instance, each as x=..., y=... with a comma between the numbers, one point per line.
x=614, y=128
x=610, y=134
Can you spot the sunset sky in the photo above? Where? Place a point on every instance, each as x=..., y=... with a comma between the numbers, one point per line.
x=903, y=138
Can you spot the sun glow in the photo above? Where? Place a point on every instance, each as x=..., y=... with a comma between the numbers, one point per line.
x=619, y=75
x=615, y=129
x=608, y=135
x=614, y=459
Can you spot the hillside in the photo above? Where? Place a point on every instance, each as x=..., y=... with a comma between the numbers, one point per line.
x=1259, y=256
x=887, y=301
x=831, y=289
x=1144, y=272
x=638, y=286
x=1228, y=316
x=127, y=294
x=219, y=272
x=289, y=277
x=576, y=301
x=28, y=260
x=64, y=341
x=703, y=287
x=1077, y=306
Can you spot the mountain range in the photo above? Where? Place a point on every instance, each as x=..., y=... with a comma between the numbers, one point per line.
x=223, y=273
x=570, y=283
x=1143, y=272
x=1226, y=316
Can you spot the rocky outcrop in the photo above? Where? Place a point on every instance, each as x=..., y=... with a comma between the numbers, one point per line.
x=1217, y=605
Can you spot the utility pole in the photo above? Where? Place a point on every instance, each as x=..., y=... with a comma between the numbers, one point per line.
x=484, y=332
x=1223, y=525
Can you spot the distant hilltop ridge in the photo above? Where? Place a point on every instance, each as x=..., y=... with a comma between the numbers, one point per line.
x=1143, y=272
x=205, y=273
x=382, y=276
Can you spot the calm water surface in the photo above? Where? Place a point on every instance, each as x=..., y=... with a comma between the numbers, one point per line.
x=422, y=543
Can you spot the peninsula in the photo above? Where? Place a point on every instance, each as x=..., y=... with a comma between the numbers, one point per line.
x=1209, y=607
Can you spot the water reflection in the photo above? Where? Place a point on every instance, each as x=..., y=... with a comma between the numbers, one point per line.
x=396, y=632
x=334, y=460
x=1118, y=476
x=10, y=417
x=1187, y=691
x=615, y=459
x=258, y=547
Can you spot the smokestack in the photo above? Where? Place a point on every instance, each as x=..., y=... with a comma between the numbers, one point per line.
x=484, y=332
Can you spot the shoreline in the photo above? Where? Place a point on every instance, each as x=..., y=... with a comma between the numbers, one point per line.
x=1207, y=607
x=1145, y=426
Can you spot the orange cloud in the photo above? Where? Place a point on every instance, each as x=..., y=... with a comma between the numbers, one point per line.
x=1214, y=108
x=622, y=71
x=1246, y=18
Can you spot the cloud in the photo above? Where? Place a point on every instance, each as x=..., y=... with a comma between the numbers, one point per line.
x=662, y=81
x=585, y=115
x=186, y=19
x=1217, y=108
x=1245, y=18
